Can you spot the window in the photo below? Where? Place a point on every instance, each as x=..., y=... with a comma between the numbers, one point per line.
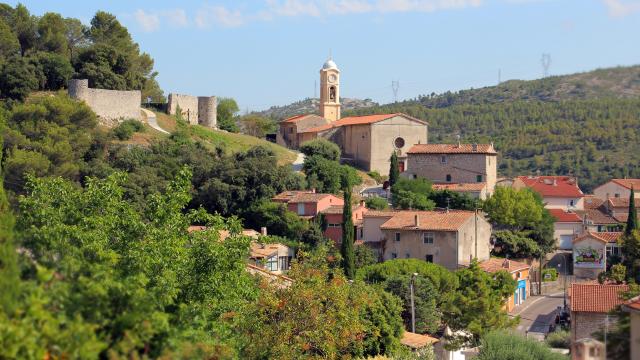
x=617, y=195
x=571, y=202
x=518, y=275
x=300, y=208
x=415, y=176
x=394, y=255
x=448, y=177
x=478, y=178
x=399, y=143
x=397, y=236
x=284, y=263
x=443, y=159
x=272, y=263
x=334, y=225
x=429, y=258
x=427, y=238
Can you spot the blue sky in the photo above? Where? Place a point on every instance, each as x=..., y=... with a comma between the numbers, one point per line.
x=269, y=52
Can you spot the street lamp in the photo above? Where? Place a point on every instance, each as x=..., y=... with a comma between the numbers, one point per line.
x=413, y=310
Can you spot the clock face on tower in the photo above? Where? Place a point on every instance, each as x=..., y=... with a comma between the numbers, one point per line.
x=332, y=78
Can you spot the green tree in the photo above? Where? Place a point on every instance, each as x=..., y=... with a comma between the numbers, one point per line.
x=52, y=34
x=632, y=219
x=501, y=345
x=346, y=247
x=376, y=203
x=55, y=70
x=617, y=274
x=258, y=126
x=631, y=253
x=9, y=45
x=326, y=175
x=76, y=34
x=412, y=194
x=226, y=114
x=478, y=305
x=394, y=169
x=364, y=256
x=24, y=25
x=427, y=315
x=18, y=77
x=321, y=147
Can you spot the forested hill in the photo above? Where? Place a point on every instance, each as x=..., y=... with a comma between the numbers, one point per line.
x=311, y=106
x=586, y=125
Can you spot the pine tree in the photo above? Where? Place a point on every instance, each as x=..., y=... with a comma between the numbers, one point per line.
x=346, y=248
x=632, y=220
x=394, y=169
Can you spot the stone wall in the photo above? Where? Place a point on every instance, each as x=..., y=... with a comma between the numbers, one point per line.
x=584, y=324
x=463, y=168
x=200, y=110
x=109, y=105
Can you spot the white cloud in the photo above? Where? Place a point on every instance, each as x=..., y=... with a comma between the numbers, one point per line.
x=176, y=17
x=218, y=15
x=149, y=22
x=621, y=8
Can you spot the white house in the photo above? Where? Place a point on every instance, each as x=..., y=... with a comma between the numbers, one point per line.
x=617, y=188
x=558, y=192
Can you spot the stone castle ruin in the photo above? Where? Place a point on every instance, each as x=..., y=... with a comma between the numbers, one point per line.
x=111, y=106
x=200, y=110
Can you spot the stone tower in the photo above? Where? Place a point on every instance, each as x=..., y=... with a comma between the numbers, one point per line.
x=330, y=91
x=78, y=89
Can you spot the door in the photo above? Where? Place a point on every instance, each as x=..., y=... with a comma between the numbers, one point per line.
x=401, y=166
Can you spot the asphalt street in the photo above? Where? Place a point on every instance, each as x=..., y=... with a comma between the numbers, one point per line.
x=537, y=314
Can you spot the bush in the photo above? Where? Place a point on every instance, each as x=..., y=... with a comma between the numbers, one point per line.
x=553, y=274
x=559, y=339
x=125, y=130
x=500, y=345
x=377, y=177
x=326, y=175
x=322, y=147
x=376, y=203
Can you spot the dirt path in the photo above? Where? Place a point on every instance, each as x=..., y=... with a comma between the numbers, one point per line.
x=152, y=121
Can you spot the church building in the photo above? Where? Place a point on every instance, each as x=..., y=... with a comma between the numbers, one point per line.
x=366, y=141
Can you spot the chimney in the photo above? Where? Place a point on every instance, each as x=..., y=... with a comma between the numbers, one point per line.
x=263, y=231
x=417, y=220
x=505, y=263
x=474, y=147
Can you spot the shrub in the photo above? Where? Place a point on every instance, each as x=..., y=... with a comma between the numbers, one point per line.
x=559, y=340
x=552, y=274
x=125, y=130
x=376, y=203
x=322, y=147
x=377, y=177
x=501, y=345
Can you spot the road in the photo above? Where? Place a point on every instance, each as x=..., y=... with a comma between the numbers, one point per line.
x=298, y=163
x=151, y=120
x=537, y=313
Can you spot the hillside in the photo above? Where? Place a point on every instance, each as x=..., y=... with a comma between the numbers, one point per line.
x=585, y=124
x=310, y=106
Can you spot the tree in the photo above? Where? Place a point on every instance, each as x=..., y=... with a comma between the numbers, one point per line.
x=427, y=315
x=617, y=274
x=478, y=305
x=364, y=256
x=18, y=78
x=346, y=247
x=631, y=253
x=226, y=112
x=501, y=345
x=321, y=147
x=376, y=203
x=412, y=194
x=55, y=70
x=24, y=26
x=76, y=34
x=394, y=169
x=258, y=126
x=327, y=175
x=52, y=34
x=632, y=219
x=9, y=45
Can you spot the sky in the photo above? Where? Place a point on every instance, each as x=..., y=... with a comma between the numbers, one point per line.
x=269, y=52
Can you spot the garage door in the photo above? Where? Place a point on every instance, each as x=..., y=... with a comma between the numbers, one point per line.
x=566, y=241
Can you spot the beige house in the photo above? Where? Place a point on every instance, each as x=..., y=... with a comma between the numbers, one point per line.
x=590, y=306
x=558, y=192
x=448, y=238
x=461, y=165
x=633, y=308
x=617, y=188
x=275, y=258
x=474, y=190
x=365, y=141
x=590, y=252
x=567, y=226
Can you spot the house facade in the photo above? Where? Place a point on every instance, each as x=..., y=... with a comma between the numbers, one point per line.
x=558, y=192
x=307, y=204
x=566, y=227
x=333, y=217
x=617, y=188
x=591, y=250
x=633, y=308
x=590, y=306
x=275, y=258
x=447, y=238
x=519, y=272
x=459, y=164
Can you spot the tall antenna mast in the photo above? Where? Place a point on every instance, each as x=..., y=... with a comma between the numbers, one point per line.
x=395, y=86
x=499, y=76
x=546, y=63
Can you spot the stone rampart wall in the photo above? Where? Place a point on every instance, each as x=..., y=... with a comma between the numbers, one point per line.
x=110, y=105
x=195, y=109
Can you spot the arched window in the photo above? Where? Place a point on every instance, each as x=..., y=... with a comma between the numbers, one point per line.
x=332, y=93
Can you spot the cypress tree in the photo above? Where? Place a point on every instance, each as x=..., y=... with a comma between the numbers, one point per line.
x=632, y=220
x=9, y=273
x=346, y=248
x=394, y=170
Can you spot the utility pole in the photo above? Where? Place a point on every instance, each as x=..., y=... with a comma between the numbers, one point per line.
x=476, y=226
x=499, y=76
x=413, y=310
x=395, y=86
x=546, y=63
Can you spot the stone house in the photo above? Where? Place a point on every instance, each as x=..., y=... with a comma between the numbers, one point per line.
x=448, y=238
x=462, y=166
x=307, y=204
x=590, y=306
x=474, y=190
x=520, y=273
x=333, y=217
x=590, y=252
x=596, y=217
x=558, y=192
x=618, y=208
x=292, y=131
x=587, y=349
x=566, y=227
x=633, y=308
x=617, y=188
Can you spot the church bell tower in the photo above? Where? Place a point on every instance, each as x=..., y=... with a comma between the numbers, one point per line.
x=330, y=91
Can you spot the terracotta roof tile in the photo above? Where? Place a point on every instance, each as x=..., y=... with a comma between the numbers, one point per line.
x=452, y=149
x=428, y=220
x=597, y=216
x=416, y=341
x=461, y=187
x=495, y=264
x=621, y=203
x=592, y=202
x=553, y=186
x=628, y=183
x=306, y=198
x=360, y=120
x=296, y=118
x=607, y=237
x=565, y=216
x=381, y=213
x=285, y=196
x=596, y=298
x=633, y=304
